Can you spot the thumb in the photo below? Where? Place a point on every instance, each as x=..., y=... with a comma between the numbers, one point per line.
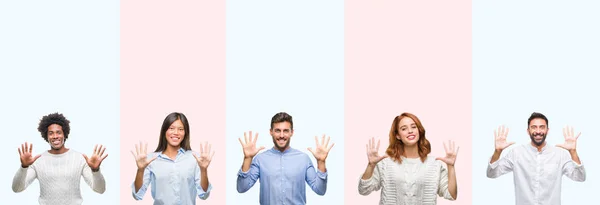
x=310, y=150
x=261, y=148
x=511, y=143
x=36, y=157
x=85, y=156
x=439, y=158
x=152, y=159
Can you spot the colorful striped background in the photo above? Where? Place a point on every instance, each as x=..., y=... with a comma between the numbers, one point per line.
x=341, y=68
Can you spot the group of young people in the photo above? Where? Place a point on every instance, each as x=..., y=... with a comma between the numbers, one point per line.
x=405, y=174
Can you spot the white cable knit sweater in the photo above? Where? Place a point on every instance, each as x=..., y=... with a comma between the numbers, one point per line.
x=410, y=183
x=59, y=176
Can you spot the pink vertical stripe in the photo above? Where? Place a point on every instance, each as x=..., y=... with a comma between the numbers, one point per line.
x=172, y=60
x=407, y=56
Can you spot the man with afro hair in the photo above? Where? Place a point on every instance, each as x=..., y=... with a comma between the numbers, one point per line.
x=59, y=170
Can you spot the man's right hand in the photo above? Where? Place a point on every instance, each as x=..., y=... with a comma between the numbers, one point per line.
x=249, y=146
x=26, y=155
x=500, y=135
x=140, y=156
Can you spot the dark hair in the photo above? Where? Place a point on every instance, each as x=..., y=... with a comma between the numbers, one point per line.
x=396, y=147
x=162, y=140
x=537, y=115
x=282, y=117
x=54, y=118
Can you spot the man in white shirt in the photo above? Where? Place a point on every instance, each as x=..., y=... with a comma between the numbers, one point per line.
x=537, y=168
x=59, y=170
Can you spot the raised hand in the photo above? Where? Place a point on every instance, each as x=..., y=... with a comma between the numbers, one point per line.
x=249, y=146
x=322, y=149
x=205, y=156
x=373, y=152
x=500, y=138
x=97, y=157
x=140, y=156
x=26, y=155
x=450, y=157
x=570, y=139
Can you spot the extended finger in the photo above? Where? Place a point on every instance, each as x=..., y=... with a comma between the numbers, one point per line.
x=201, y=149
x=102, y=150
x=19, y=149
x=137, y=149
x=23, y=148
x=316, y=141
x=36, y=157
x=378, y=143
x=209, y=147
x=330, y=147
x=578, y=135
x=145, y=148
x=255, y=138
x=445, y=148
x=104, y=157
x=323, y=140
x=212, y=155
x=30, y=148
x=246, y=137
x=239, y=139
x=95, y=150
x=328, y=138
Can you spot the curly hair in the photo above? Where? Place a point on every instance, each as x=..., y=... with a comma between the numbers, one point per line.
x=396, y=148
x=54, y=118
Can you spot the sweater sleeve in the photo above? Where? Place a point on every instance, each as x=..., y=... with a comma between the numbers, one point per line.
x=23, y=178
x=94, y=179
x=365, y=187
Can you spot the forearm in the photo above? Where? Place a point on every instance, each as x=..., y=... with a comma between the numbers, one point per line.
x=20, y=180
x=98, y=182
x=574, y=156
x=452, y=185
x=368, y=172
x=139, y=179
x=496, y=156
x=246, y=164
x=321, y=166
x=204, y=179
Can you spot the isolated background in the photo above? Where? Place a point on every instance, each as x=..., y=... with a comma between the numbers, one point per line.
x=535, y=57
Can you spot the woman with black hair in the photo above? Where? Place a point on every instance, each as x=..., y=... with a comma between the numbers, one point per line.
x=176, y=173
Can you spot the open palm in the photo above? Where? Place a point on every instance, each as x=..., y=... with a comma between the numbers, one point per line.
x=570, y=139
x=500, y=138
x=205, y=156
x=451, y=152
x=373, y=152
x=97, y=157
x=249, y=145
x=26, y=155
x=322, y=149
x=140, y=156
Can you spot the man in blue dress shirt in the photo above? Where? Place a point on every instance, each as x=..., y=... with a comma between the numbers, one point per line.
x=282, y=170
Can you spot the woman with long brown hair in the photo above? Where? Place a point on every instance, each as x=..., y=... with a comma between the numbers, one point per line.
x=407, y=175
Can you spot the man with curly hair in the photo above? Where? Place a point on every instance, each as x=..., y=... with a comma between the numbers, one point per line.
x=59, y=170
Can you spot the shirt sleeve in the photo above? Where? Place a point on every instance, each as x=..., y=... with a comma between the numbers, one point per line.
x=366, y=186
x=316, y=179
x=571, y=169
x=146, y=181
x=94, y=179
x=501, y=166
x=23, y=178
x=443, y=184
x=246, y=180
x=202, y=194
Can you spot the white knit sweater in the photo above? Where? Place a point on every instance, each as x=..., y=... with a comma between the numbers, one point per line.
x=410, y=182
x=59, y=176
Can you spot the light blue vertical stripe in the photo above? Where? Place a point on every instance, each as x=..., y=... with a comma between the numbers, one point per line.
x=285, y=56
x=60, y=56
x=535, y=56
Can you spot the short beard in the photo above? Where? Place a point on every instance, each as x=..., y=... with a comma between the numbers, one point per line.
x=536, y=143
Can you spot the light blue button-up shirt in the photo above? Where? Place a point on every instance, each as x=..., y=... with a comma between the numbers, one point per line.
x=282, y=176
x=173, y=181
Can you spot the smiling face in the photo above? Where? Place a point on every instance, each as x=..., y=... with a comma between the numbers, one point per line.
x=537, y=130
x=56, y=137
x=175, y=134
x=281, y=133
x=408, y=132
